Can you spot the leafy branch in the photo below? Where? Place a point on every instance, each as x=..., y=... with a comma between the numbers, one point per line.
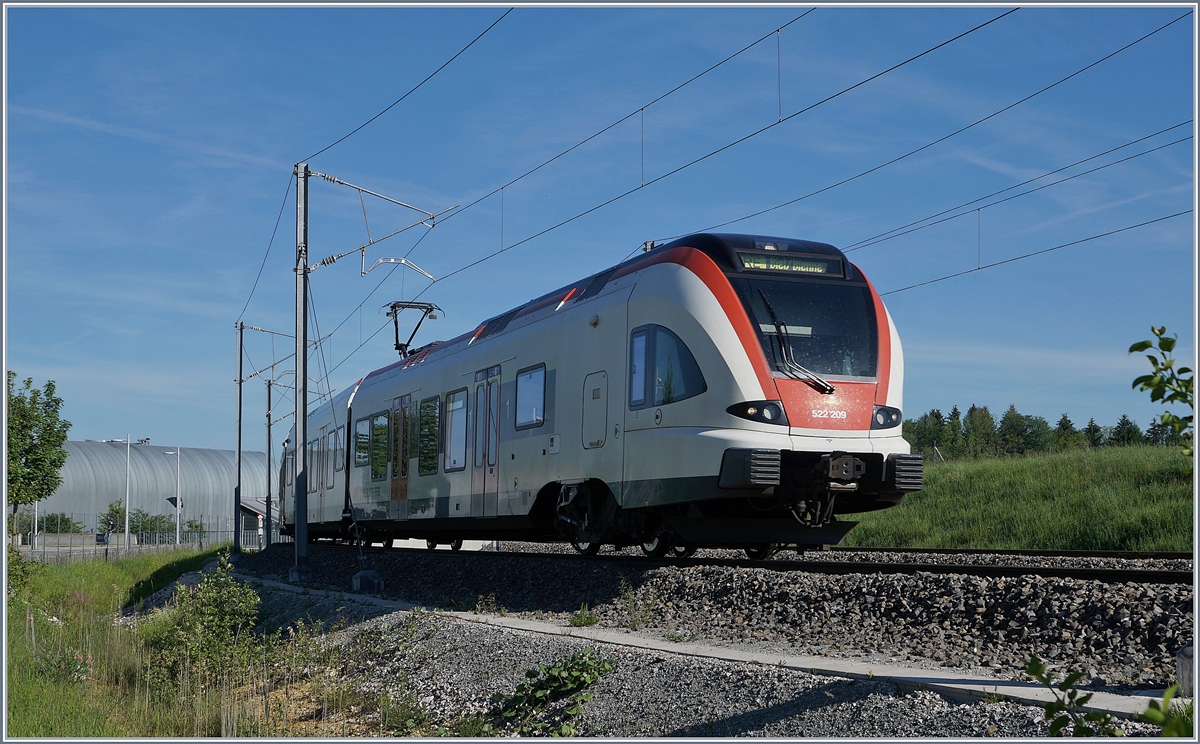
x=1166, y=383
x=1067, y=709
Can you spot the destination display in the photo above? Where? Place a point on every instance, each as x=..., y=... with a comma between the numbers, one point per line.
x=796, y=264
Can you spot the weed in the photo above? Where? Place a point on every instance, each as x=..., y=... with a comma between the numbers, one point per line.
x=550, y=683
x=638, y=606
x=1067, y=708
x=584, y=617
x=486, y=605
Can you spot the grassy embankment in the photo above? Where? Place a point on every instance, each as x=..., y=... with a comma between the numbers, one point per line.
x=185, y=671
x=1112, y=498
x=71, y=671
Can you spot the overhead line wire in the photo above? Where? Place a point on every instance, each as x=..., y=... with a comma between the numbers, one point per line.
x=887, y=234
x=723, y=148
x=410, y=92
x=270, y=243
x=548, y=162
x=1035, y=253
x=627, y=117
x=940, y=139
x=1014, y=196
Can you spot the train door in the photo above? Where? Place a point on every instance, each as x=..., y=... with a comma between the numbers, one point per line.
x=485, y=462
x=401, y=425
x=595, y=410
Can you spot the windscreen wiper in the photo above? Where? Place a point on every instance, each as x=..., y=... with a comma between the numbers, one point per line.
x=790, y=367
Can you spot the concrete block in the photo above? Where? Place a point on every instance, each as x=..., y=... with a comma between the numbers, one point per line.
x=1184, y=671
x=300, y=573
x=368, y=581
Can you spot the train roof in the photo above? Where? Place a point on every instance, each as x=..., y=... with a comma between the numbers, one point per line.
x=723, y=248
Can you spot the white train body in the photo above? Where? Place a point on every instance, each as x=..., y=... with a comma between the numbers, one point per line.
x=719, y=390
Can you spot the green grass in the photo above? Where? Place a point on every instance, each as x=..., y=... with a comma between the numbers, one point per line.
x=1111, y=498
x=76, y=674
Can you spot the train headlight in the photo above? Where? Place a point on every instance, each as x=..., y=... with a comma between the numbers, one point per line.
x=763, y=411
x=886, y=417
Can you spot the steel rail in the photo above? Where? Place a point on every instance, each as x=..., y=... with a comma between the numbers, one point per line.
x=1105, y=575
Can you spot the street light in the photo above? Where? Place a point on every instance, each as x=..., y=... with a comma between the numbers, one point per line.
x=178, y=501
x=126, y=440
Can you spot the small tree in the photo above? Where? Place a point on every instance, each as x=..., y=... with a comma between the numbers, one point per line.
x=1168, y=384
x=979, y=432
x=1126, y=433
x=36, y=435
x=1093, y=434
x=1161, y=434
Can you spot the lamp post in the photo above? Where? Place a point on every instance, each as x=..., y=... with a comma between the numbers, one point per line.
x=178, y=501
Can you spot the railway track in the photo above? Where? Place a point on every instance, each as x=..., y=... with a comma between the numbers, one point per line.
x=1106, y=575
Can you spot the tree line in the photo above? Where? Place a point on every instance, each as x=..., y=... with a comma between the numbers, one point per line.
x=978, y=434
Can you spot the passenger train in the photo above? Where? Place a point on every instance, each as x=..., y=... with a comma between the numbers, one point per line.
x=720, y=390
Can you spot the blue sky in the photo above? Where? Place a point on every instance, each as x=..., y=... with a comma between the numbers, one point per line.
x=149, y=149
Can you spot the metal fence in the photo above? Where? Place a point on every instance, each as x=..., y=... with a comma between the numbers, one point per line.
x=85, y=537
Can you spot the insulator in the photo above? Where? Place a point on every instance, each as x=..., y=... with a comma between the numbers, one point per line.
x=328, y=260
x=328, y=177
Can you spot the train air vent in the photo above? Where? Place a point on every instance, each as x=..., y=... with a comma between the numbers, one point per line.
x=750, y=468
x=906, y=472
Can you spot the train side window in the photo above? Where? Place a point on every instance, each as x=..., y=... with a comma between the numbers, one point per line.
x=379, y=445
x=493, y=432
x=637, y=369
x=339, y=453
x=312, y=454
x=456, y=430
x=661, y=369
x=287, y=468
x=479, y=423
x=427, y=436
x=400, y=437
x=362, y=442
x=676, y=374
x=531, y=397
x=330, y=457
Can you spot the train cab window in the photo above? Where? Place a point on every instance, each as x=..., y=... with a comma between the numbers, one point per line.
x=661, y=369
x=531, y=397
x=362, y=442
x=456, y=430
x=427, y=436
x=380, y=428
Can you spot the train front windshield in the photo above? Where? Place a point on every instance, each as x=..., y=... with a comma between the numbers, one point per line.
x=830, y=328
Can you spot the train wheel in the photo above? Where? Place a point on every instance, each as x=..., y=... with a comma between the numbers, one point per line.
x=656, y=547
x=683, y=551
x=431, y=544
x=760, y=552
x=586, y=548
x=456, y=544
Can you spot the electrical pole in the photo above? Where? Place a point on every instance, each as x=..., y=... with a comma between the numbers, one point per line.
x=128, y=439
x=237, y=456
x=301, y=571
x=267, y=516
